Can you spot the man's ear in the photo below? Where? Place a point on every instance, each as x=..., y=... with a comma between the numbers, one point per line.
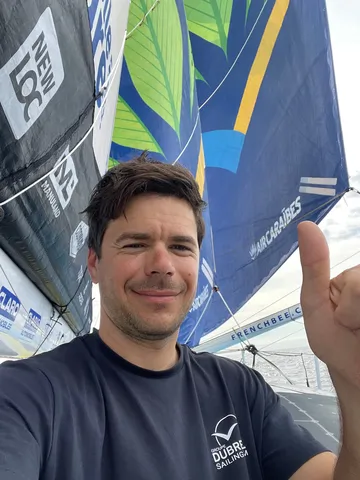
x=92, y=263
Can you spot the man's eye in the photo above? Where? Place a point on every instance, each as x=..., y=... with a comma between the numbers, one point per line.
x=134, y=245
x=182, y=248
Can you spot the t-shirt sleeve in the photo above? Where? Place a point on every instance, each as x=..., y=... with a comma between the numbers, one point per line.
x=285, y=446
x=26, y=412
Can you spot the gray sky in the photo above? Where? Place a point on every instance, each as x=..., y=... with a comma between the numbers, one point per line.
x=342, y=225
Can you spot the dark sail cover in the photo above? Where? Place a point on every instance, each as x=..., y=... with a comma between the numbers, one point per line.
x=55, y=58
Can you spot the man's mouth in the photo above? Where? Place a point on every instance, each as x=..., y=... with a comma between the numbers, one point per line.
x=157, y=296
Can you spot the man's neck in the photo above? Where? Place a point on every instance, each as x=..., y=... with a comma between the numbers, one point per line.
x=156, y=356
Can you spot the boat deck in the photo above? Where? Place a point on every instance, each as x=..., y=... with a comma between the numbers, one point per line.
x=316, y=412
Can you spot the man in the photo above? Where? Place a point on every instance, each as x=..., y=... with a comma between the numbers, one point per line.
x=129, y=403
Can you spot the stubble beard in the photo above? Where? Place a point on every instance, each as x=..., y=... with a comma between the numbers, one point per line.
x=136, y=327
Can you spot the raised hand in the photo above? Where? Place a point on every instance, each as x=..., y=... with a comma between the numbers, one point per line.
x=331, y=307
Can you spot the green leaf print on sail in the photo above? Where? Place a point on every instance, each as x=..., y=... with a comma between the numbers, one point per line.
x=210, y=20
x=130, y=131
x=154, y=57
x=248, y=4
x=112, y=163
x=198, y=76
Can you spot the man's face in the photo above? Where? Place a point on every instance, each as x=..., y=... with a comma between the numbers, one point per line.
x=148, y=269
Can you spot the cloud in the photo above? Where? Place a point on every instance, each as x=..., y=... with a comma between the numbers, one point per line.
x=344, y=221
x=355, y=180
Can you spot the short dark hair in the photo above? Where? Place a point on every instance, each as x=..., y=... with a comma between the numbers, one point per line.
x=127, y=180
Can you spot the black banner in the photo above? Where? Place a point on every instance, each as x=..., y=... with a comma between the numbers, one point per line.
x=47, y=98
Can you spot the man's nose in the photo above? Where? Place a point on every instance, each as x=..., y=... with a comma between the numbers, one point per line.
x=160, y=262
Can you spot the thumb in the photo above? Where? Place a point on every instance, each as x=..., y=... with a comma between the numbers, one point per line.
x=315, y=263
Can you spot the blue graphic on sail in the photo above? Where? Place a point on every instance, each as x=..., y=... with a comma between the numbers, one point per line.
x=245, y=99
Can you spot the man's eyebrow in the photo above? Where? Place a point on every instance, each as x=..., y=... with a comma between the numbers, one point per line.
x=132, y=236
x=145, y=236
x=184, y=239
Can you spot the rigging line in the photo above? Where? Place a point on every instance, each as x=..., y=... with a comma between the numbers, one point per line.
x=331, y=200
x=288, y=355
x=270, y=305
x=240, y=323
x=220, y=84
x=189, y=139
x=233, y=350
x=105, y=89
x=355, y=190
x=254, y=351
x=49, y=332
x=305, y=369
x=64, y=307
x=283, y=338
x=293, y=291
x=276, y=367
x=270, y=353
x=246, y=341
x=153, y=6
x=283, y=354
x=237, y=57
x=212, y=247
x=200, y=317
x=304, y=217
x=109, y=81
x=297, y=331
x=82, y=328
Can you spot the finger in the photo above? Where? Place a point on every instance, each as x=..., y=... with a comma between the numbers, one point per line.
x=347, y=312
x=335, y=293
x=315, y=263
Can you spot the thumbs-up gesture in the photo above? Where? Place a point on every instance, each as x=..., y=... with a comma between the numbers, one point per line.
x=331, y=308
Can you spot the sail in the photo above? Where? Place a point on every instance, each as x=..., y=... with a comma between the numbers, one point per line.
x=29, y=324
x=243, y=94
x=60, y=65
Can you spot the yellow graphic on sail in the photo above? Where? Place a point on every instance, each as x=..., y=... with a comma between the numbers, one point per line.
x=260, y=65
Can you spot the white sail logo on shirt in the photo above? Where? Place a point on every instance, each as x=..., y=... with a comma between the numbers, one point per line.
x=228, y=451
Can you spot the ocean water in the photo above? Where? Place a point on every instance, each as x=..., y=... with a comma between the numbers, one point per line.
x=293, y=369
x=286, y=359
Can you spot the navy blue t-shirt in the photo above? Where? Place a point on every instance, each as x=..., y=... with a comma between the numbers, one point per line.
x=81, y=412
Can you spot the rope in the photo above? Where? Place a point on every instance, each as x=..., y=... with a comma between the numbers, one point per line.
x=306, y=375
x=252, y=349
x=293, y=291
x=49, y=332
x=105, y=89
x=216, y=289
x=142, y=21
